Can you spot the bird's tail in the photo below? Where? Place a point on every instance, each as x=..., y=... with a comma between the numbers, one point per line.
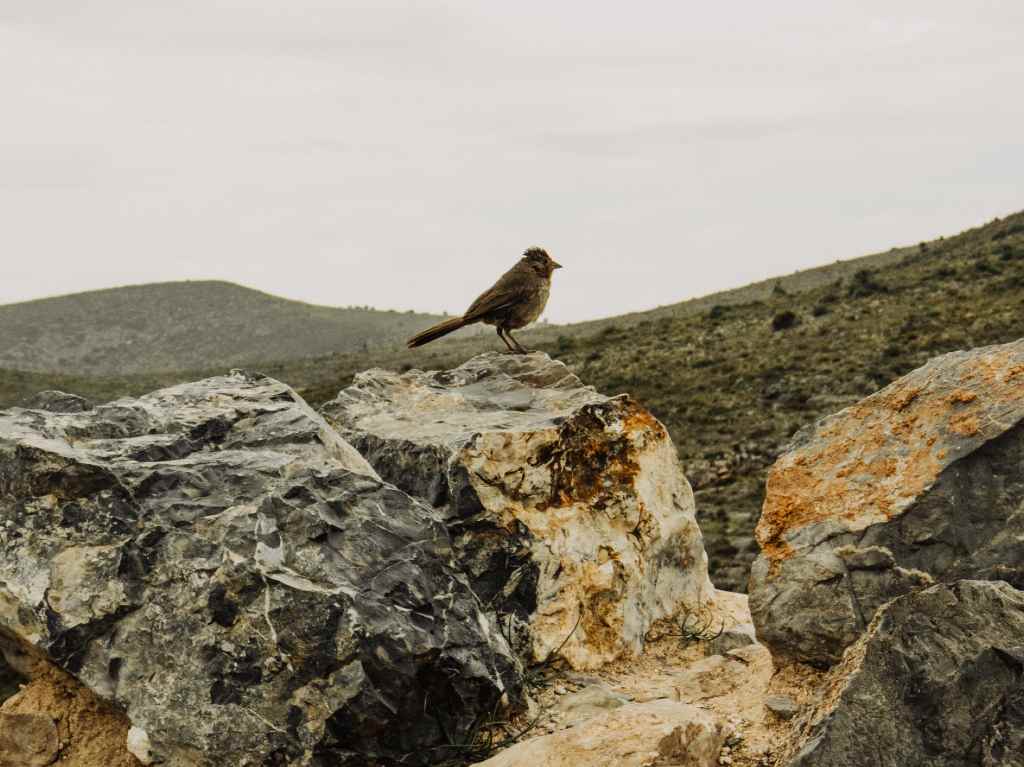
x=435, y=332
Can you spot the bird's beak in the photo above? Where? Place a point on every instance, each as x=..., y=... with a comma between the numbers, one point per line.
x=555, y=265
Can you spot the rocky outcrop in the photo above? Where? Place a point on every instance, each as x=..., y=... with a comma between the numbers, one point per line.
x=662, y=732
x=567, y=508
x=922, y=482
x=217, y=562
x=937, y=681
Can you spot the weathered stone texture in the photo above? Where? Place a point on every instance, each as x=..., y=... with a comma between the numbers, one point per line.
x=920, y=483
x=937, y=681
x=218, y=562
x=567, y=508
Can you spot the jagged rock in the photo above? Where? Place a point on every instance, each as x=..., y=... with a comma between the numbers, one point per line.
x=27, y=740
x=919, y=483
x=731, y=638
x=58, y=402
x=218, y=562
x=568, y=509
x=661, y=732
x=937, y=681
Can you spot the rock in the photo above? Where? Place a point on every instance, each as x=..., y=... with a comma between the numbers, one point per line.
x=937, y=680
x=590, y=701
x=567, y=508
x=138, y=745
x=90, y=732
x=782, y=706
x=58, y=402
x=216, y=561
x=27, y=740
x=922, y=482
x=662, y=732
x=716, y=676
x=731, y=638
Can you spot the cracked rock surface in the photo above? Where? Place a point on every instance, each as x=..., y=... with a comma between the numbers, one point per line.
x=937, y=681
x=922, y=482
x=219, y=563
x=568, y=509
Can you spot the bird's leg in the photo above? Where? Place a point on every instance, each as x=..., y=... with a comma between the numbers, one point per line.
x=502, y=337
x=519, y=347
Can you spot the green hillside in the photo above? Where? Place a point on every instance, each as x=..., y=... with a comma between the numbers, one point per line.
x=177, y=326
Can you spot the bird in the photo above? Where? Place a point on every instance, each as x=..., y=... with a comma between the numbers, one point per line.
x=514, y=301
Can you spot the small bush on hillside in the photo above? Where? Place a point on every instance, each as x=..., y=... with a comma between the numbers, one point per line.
x=566, y=344
x=778, y=290
x=717, y=312
x=863, y=283
x=1008, y=253
x=820, y=310
x=785, y=320
x=984, y=266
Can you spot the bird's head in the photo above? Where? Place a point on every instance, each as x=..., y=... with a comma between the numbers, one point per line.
x=539, y=260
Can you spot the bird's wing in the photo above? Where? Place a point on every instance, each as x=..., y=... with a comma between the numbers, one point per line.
x=507, y=291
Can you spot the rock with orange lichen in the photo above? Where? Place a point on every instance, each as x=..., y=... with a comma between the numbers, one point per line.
x=919, y=483
x=568, y=509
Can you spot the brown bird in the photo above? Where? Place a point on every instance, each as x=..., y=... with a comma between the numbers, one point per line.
x=515, y=300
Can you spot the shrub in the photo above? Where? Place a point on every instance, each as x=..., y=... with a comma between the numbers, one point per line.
x=863, y=283
x=785, y=320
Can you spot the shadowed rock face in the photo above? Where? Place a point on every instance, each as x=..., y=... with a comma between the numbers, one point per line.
x=567, y=508
x=919, y=483
x=217, y=561
x=937, y=680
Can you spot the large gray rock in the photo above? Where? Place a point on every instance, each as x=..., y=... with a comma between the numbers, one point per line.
x=937, y=681
x=920, y=483
x=218, y=562
x=568, y=509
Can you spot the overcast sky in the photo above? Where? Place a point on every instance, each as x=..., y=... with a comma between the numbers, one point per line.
x=402, y=155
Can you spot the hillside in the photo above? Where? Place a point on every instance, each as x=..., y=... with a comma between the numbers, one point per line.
x=732, y=375
x=177, y=326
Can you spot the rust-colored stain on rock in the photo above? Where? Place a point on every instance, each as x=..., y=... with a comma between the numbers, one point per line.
x=869, y=462
x=588, y=467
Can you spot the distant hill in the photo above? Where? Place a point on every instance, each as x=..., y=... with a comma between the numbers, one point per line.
x=177, y=326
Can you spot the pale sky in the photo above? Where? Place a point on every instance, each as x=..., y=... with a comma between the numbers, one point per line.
x=402, y=155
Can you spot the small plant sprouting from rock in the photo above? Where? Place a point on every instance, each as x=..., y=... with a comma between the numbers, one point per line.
x=698, y=626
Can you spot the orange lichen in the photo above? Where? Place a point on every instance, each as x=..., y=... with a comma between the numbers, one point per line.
x=962, y=397
x=966, y=425
x=869, y=462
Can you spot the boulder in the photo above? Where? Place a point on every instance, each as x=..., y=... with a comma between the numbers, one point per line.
x=662, y=732
x=937, y=681
x=567, y=508
x=922, y=482
x=220, y=564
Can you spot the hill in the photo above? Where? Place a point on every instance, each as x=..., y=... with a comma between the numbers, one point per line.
x=178, y=326
x=732, y=375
